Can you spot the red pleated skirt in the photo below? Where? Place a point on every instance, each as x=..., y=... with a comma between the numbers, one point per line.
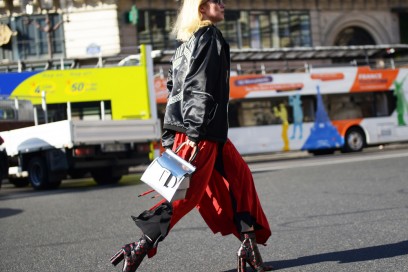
x=220, y=197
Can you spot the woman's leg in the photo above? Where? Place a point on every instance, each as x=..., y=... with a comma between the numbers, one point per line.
x=156, y=222
x=204, y=164
x=231, y=205
x=248, y=213
x=231, y=198
x=248, y=208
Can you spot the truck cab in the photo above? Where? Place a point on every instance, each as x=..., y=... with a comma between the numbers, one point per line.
x=14, y=114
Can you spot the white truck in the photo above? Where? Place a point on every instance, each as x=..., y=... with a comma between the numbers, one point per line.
x=98, y=120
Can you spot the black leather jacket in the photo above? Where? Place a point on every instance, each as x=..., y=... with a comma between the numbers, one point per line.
x=198, y=85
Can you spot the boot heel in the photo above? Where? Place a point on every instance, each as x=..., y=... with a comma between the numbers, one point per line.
x=117, y=258
x=241, y=265
x=249, y=253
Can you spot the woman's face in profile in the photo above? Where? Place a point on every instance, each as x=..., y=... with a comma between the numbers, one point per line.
x=213, y=10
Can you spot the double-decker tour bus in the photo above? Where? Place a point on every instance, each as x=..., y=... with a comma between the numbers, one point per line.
x=320, y=111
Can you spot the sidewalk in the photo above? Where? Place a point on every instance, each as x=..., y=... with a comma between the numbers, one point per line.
x=276, y=156
x=279, y=156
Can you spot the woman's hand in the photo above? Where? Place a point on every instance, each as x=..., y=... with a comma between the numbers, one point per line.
x=191, y=143
x=194, y=146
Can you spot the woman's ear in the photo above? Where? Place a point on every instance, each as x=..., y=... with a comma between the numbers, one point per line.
x=202, y=9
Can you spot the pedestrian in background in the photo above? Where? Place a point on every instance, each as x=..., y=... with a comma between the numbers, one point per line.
x=222, y=188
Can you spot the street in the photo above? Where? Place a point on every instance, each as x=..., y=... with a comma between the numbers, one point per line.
x=346, y=212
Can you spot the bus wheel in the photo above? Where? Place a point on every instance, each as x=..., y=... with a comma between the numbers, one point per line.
x=104, y=176
x=354, y=140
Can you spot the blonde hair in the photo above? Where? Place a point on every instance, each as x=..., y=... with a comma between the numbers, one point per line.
x=189, y=20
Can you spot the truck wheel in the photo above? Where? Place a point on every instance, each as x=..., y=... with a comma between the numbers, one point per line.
x=40, y=176
x=38, y=173
x=104, y=176
x=19, y=182
x=354, y=140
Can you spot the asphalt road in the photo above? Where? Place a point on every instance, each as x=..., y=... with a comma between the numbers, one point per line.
x=332, y=213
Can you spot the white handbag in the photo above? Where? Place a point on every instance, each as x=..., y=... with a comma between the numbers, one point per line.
x=169, y=175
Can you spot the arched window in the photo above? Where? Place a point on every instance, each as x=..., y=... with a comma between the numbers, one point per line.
x=354, y=36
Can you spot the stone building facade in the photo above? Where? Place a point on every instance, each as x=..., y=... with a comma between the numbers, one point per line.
x=115, y=28
x=381, y=19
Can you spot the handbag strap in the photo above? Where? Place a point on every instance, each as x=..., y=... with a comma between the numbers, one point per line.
x=196, y=149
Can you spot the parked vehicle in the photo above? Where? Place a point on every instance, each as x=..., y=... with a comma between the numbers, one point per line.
x=96, y=120
x=3, y=162
x=320, y=111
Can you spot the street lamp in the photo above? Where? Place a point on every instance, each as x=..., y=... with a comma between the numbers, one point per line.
x=48, y=28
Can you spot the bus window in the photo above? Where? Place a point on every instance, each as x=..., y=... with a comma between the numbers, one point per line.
x=8, y=114
x=258, y=112
x=233, y=107
x=79, y=111
x=381, y=105
x=25, y=110
x=12, y=117
x=359, y=105
x=364, y=101
x=342, y=107
x=384, y=103
x=9, y=111
x=56, y=112
x=309, y=108
x=90, y=110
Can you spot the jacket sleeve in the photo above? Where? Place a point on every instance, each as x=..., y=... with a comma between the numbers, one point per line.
x=170, y=80
x=168, y=136
x=199, y=106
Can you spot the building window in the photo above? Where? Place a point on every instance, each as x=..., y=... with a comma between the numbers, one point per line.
x=294, y=29
x=260, y=33
x=241, y=29
x=403, y=21
x=354, y=36
x=32, y=40
x=232, y=28
x=266, y=29
x=154, y=27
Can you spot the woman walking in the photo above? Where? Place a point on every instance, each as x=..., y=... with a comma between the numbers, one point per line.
x=222, y=188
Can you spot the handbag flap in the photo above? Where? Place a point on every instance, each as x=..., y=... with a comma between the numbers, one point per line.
x=175, y=164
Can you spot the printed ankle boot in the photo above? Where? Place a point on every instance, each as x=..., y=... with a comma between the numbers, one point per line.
x=133, y=254
x=154, y=225
x=249, y=253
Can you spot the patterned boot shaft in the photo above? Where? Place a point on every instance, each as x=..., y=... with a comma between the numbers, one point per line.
x=249, y=253
x=135, y=253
